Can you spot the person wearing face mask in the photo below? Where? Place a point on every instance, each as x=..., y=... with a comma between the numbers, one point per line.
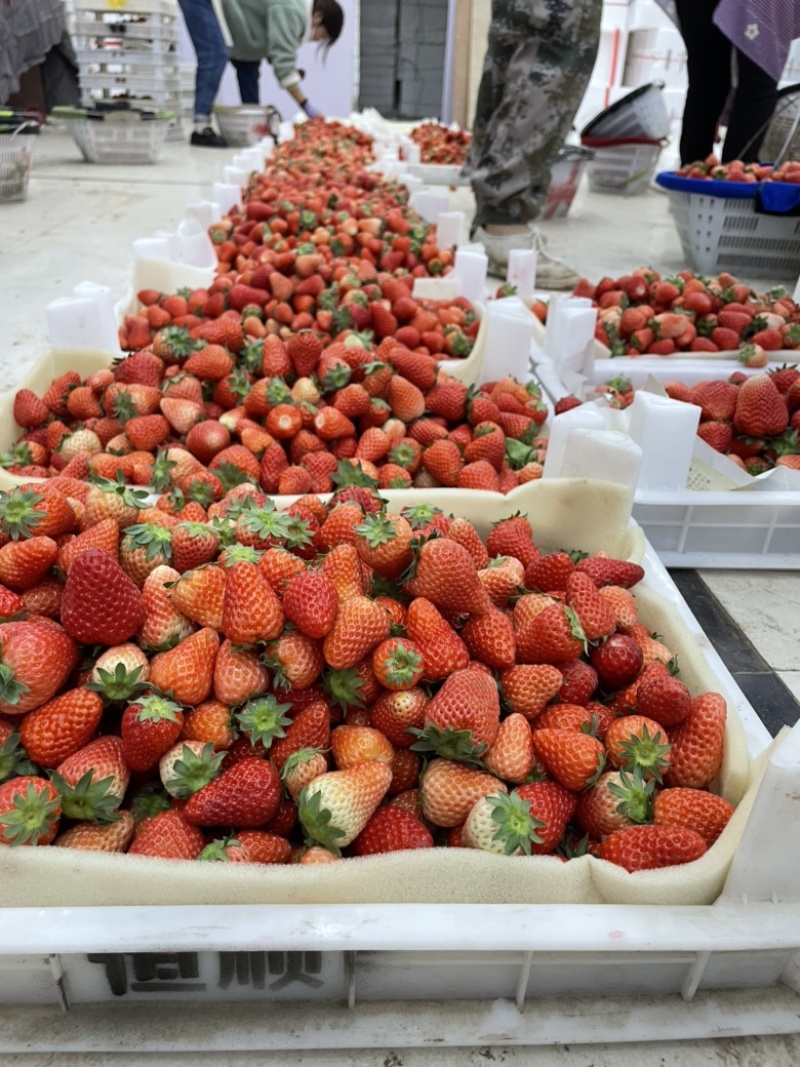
x=274, y=30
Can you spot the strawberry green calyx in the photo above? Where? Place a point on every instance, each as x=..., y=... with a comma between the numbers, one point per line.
x=177, y=339
x=218, y=851
x=457, y=745
x=516, y=827
x=88, y=799
x=161, y=477
x=377, y=529
x=635, y=795
x=278, y=392
x=31, y=816
x=118, y=685
x=518, y=453
x=344, y=688
x=14, y=759
x=10, y=689
x=263, y=720
x=239, y=383
x=18, y=513
x=404, y=455
x=191, y=772
x=155, y=539
x=336, y=377
x=575, y=625
x=122, y=406
x=265, y=521
x=19, y=456
x=297, y=759
x=252, y=356
x=230, y=475
x=347, y=474
x=298, y=532
x=157, y=709
x=316, y=821
x=131, y=497
x=646, y=754
x=403, y=666
x=150, y=801
x=420, y=515
x=240, y=554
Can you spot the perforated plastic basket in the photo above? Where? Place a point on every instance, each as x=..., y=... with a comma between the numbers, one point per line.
x=15, y=168
x=642, y=113
x=625, y=168
x=120, y=139
x=246, y=125
x=723, y=232
x=565, y=178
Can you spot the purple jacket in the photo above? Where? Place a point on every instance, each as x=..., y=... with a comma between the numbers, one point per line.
x=762, y=29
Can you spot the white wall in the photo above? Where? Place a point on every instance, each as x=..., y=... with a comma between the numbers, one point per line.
x=332, y=88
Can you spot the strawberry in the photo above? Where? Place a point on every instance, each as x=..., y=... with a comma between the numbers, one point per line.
x=60, y=727
x=103, y=535
x=501, y=823
x=574, y=759
x=614, y=801
x=449, y=791
x=209, y=721
x=662, y=697
x=696, y=809
x=604, y=571
x=618, y=661
x=527, y=688
x=29, y=410
x=501, y=578
x=360, y=625
x=225, y=850
x=391, y=829
x=93, y=781
x=445, y=573
x=594, y=718
x=352, y=745
x=35, y=661
x=553, y=806
x=144, y=547
x=488, y=443
x=443, y=461
x=246, y=795
x=168, y=836
x=595, y=614
x=467, y=702
x=513, y=537
x=90, y=837
x=760, y=408
x=383, y=541
x=310, y=729
x=623, y=604
x=296, y=660
x=23, y=564
x=251, y=611
x=200, y=596
x=301, y=768
x=397, y=663
x=336, y=807
x=644, y=848
x=490, y=638
x=549, y=574
x=510, y=755
x=185, y=673
x=464, y=533
x=697, y=743
x=637, y=743
x=717, y=435
x=552, y=635
x=396, y=713
x=264, y=847
x=101, y=605
x=310, y=602
x=35, y=510
x=405, y=399
x=149, y=728
x=30, y=809
x=716, y=399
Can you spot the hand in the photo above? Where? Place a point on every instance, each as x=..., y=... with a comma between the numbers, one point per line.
x=310, y=110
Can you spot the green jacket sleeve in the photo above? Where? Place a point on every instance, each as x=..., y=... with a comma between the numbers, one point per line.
x=286, y=29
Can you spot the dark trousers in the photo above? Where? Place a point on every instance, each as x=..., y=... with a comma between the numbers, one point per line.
x=212, y=58
x=247, y=76
x=709, y=54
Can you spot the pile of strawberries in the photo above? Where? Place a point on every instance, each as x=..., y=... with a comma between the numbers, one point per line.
x=754, y=421
x=271, y=686
x=643, y=314
x=441, y=144
x=710, y=169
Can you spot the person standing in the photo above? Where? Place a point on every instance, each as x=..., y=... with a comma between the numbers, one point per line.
x=756, y=35
x=274, y=30
x=212, y=58
x=538, y=63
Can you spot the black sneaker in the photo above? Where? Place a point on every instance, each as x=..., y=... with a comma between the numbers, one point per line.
x=208, y=138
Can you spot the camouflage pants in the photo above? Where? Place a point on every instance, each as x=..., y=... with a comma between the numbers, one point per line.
x=538, y=63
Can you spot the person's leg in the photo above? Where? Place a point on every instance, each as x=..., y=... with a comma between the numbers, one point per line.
x=247, y=71
x=544, y=62
x=212, y=55
x=709, y=54
x=753, y=106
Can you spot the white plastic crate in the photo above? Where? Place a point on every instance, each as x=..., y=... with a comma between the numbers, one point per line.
x=725, y=234
x=624, y=169
x=16, y=158
x=119, y=140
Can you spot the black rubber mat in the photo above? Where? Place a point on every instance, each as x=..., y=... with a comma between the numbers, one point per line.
x=765, y=690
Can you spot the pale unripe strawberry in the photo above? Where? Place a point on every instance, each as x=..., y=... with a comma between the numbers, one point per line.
x=336, y=807
x=301, y=768
x=501, y=823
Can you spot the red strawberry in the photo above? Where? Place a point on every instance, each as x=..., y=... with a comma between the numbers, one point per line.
x=61, y=726
x=265, y=847
x=391, y=830
x=304, y=350
x=551, y=636
x=93, y=781
x=695, y=809
x=553, y=806
x=149, y=728
x=446, y=574
x=716, y=434
x=662, y=697
x=595, y=614
x=30, y=809
x=490, y=638
x=185, y=673
x=310, y=602
x=101, y=604
x=246, y=795
x=310, y=728
x=468, y=701
x=618, y=661
x=335, y=807
x=697, y=743
x=168, y=835
x=549, y=574
x=443, y=651
x=644, y=848
x=574, y=759
x=251, y=611
x=35, y=662
x=23, y=564
x=604, y=571
x=760, y=408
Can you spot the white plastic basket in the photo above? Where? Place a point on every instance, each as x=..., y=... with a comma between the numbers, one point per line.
x=722, y=234
x=245, y=125
x=16, y=157
x=623, y=169
x=119, y=139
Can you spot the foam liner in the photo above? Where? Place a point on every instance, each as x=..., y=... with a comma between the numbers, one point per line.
x=565, y=512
